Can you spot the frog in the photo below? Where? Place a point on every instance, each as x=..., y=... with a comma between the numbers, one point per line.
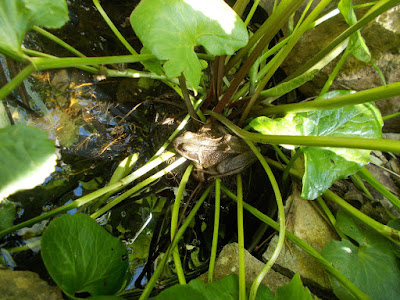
x=214, y=151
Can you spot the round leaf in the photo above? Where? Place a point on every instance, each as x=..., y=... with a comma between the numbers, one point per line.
x=81, y=256
x=171, y=29
x=17, y=17
x=27, y=157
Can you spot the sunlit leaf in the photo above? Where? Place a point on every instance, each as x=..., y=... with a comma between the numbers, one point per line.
x=27, y=157
x=324, y=166
x=17, y=17
x=171, y=29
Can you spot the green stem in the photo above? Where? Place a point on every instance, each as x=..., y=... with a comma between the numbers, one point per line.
x=374, y=12
x=113, y=28
x=58, y=41
x=374, y=94
x=281, y=213
x=16, y=81
x=283, y=53
x=367, y=176
x=186, y=97
x=137, y=188
x=388, y=232
x=174, y=222
x=216, y=229
x=242, y=266
x=336, y=70
x=313, y=141
x=66, y=62
x=158, y=271
x=303, y=245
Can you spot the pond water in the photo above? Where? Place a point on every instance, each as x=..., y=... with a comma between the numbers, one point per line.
x=98, y=122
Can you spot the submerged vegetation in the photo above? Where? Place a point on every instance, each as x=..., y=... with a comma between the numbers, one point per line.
x=223, y=66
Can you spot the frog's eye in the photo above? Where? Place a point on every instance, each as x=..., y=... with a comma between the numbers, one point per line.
x=183, y=149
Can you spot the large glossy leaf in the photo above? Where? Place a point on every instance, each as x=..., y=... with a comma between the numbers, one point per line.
x=18, y=16
x=370, y=264
x=81, y=256
x=324, y=166
x=27, y=157
x=171, y=29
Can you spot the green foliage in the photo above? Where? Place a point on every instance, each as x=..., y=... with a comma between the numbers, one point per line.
x=370, y=264
x=225, y=289
x=27, y=157
x=293, y=290
x=228, y=288
x=7, y=213
x=17, y=17
x=81, y=256
x=171, y=30
x=358, y=46
x=324, y=166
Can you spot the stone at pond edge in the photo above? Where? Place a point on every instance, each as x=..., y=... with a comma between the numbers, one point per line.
x=26, y=285
x=306, y=222
x=227, y=263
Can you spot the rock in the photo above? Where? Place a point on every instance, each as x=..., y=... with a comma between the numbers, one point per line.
x=26, y=285
x=227, y=263
x=306, y=222
x=382, y=36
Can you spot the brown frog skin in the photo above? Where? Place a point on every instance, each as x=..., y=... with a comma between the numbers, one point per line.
x=214, y=151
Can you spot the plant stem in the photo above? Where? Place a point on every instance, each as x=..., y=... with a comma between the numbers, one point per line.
x=137, y=187
x=281, y=213
x=283, y=53
x=303, y=245
x=388, y=232
x=262, y=37
x=66, y=62
x=16, y=81
x=374, y=12
x=186, y=97
x=174, y=222
x=157, y=273
x=312, y=141
x=374, y=94
x=367, y=176
x=113, y=28
x=241, y=259
x=216, y=229
x=58, y=41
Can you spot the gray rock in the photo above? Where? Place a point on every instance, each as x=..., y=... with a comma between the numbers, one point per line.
x=26, y=285
x=305, y=221
x=227, y=263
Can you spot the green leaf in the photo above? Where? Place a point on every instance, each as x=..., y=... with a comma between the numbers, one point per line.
x=293, y=290
x=17, y=17
x=324, y=166
x=358, y=46
x=371, y=265
x=225, y=289
x=27, y=157
x=286, y=87
x=7, y=214
x=396, y=225
x=171, y=29
x=81, y=256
